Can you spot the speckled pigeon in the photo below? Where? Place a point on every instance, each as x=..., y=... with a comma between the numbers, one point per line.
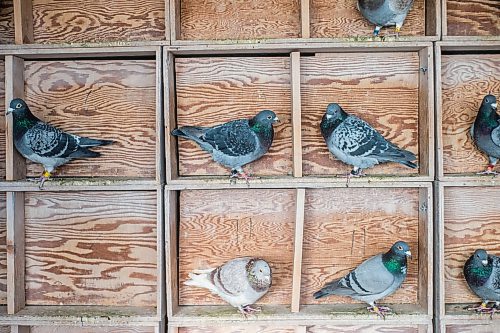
x=384, y=13
x=43, y=143
x=235, y=143
x=482, y=273
x=486, y=132
x=355, y=142
x=241, y=282
x=375, y=278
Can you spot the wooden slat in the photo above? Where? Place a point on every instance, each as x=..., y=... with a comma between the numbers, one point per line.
x=297, y=252
x=301, y=329
x=3, y=248
x=471, y=221
x=160, y=253
x=365, y=85
x=15, y=252
x=438, y=158
x=345, y=226
x=215, y=90
x=439, y=306
x=491, y=327
x=426, y=112
x=105, y=99
x=70, y=21
x=171, y=252
x=23, y=21
x=160, y=125
x=472, y=18
x=175, y=20
x=20, y=329
x=425, y=250
x=217, y=226
x=249, y=328
x=364, y=329
x=433, y=18
x=340, y=18
x=465, y=79
x=170, y=114
x=3, y=104
x=14, y=88
x=305, y=18
x=296, y=115
x=7, y=22
x=91, y=248
x=227, y=19
x=69, y=329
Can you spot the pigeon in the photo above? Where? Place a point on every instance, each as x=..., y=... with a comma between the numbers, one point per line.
x=384, y=13
x=355, y=142
x=235, y=143
x=486, y=132
x=45, y=144
x=376, y=278
x=241, y=282
x=482, y=273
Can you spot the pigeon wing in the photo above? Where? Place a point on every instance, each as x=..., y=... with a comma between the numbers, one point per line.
x=48, y=141
x=234, y=138
x=495, y=135
x=232, y=277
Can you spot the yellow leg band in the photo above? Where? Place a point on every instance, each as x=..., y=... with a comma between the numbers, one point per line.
x=46, y=174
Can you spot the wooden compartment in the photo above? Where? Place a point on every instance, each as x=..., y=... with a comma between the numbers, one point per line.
x=214, y=90
x=467, y=74
x=365, y=84
x=472, y=19
x=87, y=21
x=233, y=20
x=7, y=22
x=106, y=96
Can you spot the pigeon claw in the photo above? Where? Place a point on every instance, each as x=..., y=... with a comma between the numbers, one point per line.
x=484, y=309
x=235, y=174
x=249, y=310
x=489, y=171
x=42, y=179
x=381, y=311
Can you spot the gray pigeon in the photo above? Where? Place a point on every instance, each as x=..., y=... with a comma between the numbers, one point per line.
x=241, y=282
x=482, y=273
x=355, y=142
x=235, y=143
x=384, y=13
x=486, y=132
x=375, y=278
x=42, y=143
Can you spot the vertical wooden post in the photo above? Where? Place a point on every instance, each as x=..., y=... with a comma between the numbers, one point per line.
x=15, y=167
x=425, y=249
x=15, y=252
x=23, y=21
x=160, y=253
x=297, y=253
x=305, y=19
x=171, y=167
x=296, y=114
x=171, y=204
x=19, y=329
x=301, y=329
x=439, y=306
x=175, y=20
x=439, y=115
x=426, y=112
x=160, y=127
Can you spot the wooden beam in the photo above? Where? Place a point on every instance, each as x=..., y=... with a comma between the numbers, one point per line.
x=425, y=250
x=160, y=125
x=170, y=121
x=298, y=244
x=305, y=19
x=439, y=172
x=301, y=329
x=426, y=112
x=19, y=329
x=160, y=253
x=175, y=20
x=439, y=300
x=15, y=252
x=14, y=88
x=23, y=21
x=172, y=275
x=296, y=114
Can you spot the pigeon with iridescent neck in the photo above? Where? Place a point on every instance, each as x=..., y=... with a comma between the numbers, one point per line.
x=376, y=278
x=384, y=13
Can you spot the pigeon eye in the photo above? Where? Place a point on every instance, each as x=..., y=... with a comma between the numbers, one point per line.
x=18, y=106
x=260, y=270
x=269, y=117
x=400, y=248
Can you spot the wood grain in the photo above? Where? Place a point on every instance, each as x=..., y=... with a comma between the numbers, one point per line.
x=336, y=19
x=364, y=329
x=235, y=329
x=471, y=221
x=72, y=21
x=2, y=119
x=105, y=99
x=91, y=248
x=473, y=17
x=346, y=226
x=217, y=226
x=215, y=90
x=3, y=249
x=236, y=19
x=5, y=329
x=364, y=85
x=492, y=327
x=6, y=22
x=69, y=329
x=466, y=79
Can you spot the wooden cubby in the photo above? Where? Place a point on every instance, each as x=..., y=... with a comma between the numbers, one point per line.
x=458, y=98
x=6, y=22
x=470, y=20
x=466, y=220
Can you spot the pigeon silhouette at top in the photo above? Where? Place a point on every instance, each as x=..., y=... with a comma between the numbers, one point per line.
x=384, y=13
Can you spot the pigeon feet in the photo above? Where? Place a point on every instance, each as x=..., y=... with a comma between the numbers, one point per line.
x=241, y=175
x=484, y=309
x=248, y=310
x=488, y=171
x=381, y=311
x=42, y=179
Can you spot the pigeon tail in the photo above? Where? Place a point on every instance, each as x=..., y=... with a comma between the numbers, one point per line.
x=189, y=132
x=85, y=153
x=200, y=279
x=409, y=164
x=88, y=142
x=328, y=289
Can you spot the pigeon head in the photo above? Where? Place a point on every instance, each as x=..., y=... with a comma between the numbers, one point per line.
x=395, y=259
x=335, y=112
x=259, y=274
x=401, y=249
x=480, y=257
x=491, y=101
x=266, y=117
x=18, y=107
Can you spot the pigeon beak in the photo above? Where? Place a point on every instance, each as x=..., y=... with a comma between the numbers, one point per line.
x=328, y=116
x=494, y=105
x=408, y=254
x=484, y=262
x=276, y=119
x=267, y=279
x=9, y=111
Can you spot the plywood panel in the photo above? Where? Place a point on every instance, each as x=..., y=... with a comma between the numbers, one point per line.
x=107, y=99
x=346, y=226
x=471, y=221
x=91, y=248
x=364, y=84
x=473, y=17
x=365, y=329
x=215, y=90
x=492, y=327
x=3, y=249
x=70, y=21
x=335, y=19
x=235, y=329
x=466, y=79
x=229, y=19
x=2, y=119
x=216, y=226
x=69, y=329
x=6, y=22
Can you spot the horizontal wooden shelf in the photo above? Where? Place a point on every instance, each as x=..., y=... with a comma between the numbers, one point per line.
x=81, y=184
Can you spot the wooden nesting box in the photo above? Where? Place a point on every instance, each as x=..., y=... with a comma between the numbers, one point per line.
x=472, y=19
x=6, y=22
x=105, y=97
x=467, y=74
x=468, y=220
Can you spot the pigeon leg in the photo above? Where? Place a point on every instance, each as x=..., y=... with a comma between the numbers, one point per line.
x=489, y=171
x=240, y=174
x=376, y=31
x=44, y=177
x=248, y=310
x=482, y=308
x=382, y=311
